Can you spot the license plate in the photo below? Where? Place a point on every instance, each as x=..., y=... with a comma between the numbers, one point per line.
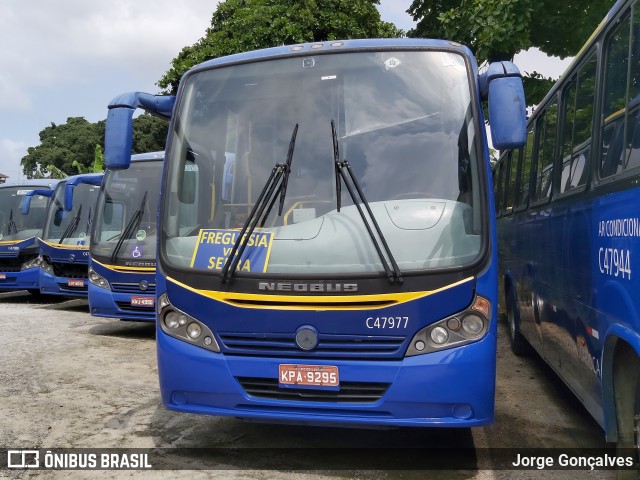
x=308, y=375
x=75, y=283
x=3, y=276
x=142, y=301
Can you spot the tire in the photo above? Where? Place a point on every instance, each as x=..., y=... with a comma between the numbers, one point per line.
x=519, y=345
x=626, y=388
x=34, y=292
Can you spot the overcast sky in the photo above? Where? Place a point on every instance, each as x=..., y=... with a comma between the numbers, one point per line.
x=69, y=58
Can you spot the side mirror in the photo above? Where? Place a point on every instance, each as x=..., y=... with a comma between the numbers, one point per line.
x=502, y=84
x=71, y=184
x=25, y=206
x=119, y=129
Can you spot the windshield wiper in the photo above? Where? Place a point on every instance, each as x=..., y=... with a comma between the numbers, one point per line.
x=71, y=228
x=276, y=184
x=89, y=221
x=12, y=225
x=128, y=230
x=393, y=273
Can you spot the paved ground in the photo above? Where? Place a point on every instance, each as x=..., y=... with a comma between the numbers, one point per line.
x=71, y=380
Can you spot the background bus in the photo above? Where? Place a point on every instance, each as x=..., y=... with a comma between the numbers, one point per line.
x=19, y=233
x=569, y=227
x=64, y=246
x=122, y=264
x=364, y=289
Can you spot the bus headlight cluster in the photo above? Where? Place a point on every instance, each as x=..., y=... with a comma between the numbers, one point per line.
x=46, y=266
x=33, y=263
x=98, y=280
x=184, y=327
x=465, y=327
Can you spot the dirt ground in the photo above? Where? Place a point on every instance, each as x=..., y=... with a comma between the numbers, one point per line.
x=68, y=379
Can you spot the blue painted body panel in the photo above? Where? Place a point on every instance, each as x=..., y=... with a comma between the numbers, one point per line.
x=10, y=277
x=423, y=390
x=452, y=388
x=18, y=280
x=73, y=259
x=116, y=302
x=575, y=297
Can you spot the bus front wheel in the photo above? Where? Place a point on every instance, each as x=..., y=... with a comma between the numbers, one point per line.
x=626, y=386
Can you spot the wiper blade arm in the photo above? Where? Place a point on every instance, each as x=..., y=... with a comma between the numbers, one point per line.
x=12, y=225
x=275, y=184
x=128, y=230
x=282, y=190
x=350, y=181
x=72, y=226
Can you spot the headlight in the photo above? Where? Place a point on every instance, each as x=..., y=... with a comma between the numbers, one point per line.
x=46, y=266
x=33, y=263
x=465, y=327
x=184, y=327
x=98, y=280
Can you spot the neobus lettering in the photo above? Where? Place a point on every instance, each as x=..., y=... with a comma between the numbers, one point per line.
x=615, y=262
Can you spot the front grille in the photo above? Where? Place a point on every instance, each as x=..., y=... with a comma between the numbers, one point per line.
x=69, y=270
x=9, y=268
x=350, y=392
x=133, y=288
x=329, y=345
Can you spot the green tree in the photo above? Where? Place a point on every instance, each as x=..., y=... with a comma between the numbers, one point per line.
x=98, y=163
x=76, y=146
x=149, y=133
x=497, y=30
x=243, y=25
x=61, y=146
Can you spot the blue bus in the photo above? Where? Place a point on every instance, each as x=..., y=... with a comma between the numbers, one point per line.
x=326, y=233
x=19, y=233
x=122, y=264
x=64, y=245
x=569, y=229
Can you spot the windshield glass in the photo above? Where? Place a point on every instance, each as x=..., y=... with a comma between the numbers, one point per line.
x=73, y=227
x=14, y=225
x=129, y=201
x=403, y=122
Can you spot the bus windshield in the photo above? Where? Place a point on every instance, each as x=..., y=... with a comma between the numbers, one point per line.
x=14, y=225
x=73, y=227
x=403, y=121
x=125, y=230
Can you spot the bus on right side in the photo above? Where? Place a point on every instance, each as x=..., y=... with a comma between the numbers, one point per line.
x=568, y=208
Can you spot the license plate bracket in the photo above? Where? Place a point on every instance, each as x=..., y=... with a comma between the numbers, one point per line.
x=308, y=376
x=139, y=301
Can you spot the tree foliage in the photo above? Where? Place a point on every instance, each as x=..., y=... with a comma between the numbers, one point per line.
x=243, y=25
x=497, y=30
x=62, y=145
x=76, y=146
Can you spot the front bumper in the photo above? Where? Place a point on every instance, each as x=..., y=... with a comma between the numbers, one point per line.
x=450, y=388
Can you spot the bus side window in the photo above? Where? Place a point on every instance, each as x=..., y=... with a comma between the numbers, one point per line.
x=499, y=190
x=525, y=169
x=633, y=102
x=546, y=142
x=510, y=162
x=614, y=94
x=578, y=118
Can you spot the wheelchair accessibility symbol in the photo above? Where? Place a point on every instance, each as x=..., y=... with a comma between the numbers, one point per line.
x=137, y=251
